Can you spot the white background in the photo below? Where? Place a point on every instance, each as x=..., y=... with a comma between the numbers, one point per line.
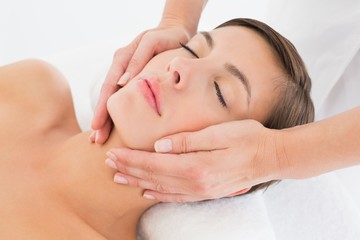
x=41, y=28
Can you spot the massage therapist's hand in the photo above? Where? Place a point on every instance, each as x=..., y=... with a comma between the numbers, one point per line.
x=128, y=62
x=219, y=161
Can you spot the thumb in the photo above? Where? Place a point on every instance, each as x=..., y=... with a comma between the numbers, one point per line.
x=204, y=140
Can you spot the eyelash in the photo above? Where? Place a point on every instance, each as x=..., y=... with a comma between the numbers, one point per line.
x=216, y=85
x=219, y=95
x=189, y=50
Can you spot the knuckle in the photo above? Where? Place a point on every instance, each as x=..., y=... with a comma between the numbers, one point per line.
x=160, y=188
x=121, y=58
x=134, y=182
x=150, y=37
x=184, y=144
x=196, y=173
x=150, y=176
x=134, y=62
x=202, y=189
x=119, y=53
x=107, y=86
x=201, y=182
x=124, y=169
x=125, y=159
x=149, y=168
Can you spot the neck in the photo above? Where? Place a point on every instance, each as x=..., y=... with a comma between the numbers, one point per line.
x=87, y=188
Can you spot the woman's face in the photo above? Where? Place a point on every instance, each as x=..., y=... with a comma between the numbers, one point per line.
x=227, y=74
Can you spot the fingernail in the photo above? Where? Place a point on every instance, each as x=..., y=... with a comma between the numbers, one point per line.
x=124, y=79
x=111, y=155
x=92, y=136
x=120, y=179
x=110, y=163
x=163, y=145
x=148, y=196
x=96, y=136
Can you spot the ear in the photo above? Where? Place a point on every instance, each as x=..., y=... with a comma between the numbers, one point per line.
x=245, y=190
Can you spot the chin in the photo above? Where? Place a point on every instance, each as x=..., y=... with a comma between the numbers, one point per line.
x=134, y=137
x=131, y=121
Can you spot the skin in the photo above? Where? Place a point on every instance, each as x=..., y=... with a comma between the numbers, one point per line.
x=186, y=87
x=228, y=147
x=178, y=24
x=46, y=159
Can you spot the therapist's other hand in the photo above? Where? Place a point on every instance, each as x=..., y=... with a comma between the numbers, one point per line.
x=127, y=63
x=219, y=161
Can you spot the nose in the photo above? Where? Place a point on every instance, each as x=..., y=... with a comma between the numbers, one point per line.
x=183, y=71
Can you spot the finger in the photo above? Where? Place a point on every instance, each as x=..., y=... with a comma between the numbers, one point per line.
x=145, y=184
x=117, y=69
x=132, y=181
x=109, y=87
x=166, y=197
x=92, y=136
x=157, y=182
x=188, y=173
x=186, y=166
x=145, y=50
x=162, y=164
x=103, y=133
x=207, y=139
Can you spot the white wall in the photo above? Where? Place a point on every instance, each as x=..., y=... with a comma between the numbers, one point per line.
x=39, y=28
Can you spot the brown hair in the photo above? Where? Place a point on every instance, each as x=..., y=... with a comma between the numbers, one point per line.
x=294, y=105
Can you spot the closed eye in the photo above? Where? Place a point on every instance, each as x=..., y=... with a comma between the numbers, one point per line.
x=189, y=50
x=220, y=95
x=216, y=85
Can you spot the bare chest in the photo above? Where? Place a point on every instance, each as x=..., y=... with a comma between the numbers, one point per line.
x=32, y=206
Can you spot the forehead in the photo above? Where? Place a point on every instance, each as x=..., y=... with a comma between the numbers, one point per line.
x=240, y=40
x=255, y=58
x=240, y=45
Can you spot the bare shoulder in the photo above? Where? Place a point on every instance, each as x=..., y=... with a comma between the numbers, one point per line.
x=35, y=90
x=30, y=78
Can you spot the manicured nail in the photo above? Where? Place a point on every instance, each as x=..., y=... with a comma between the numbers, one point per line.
x=110, y=163
x=96, y=136
x=92, y=136
x=148, y=196
x=120, y=179
x=124, y=79
x=163, y=145
x=111, y=155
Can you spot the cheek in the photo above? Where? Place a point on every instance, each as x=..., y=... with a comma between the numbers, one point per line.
x=189, y=117
x=133, y=120
x=160, y=61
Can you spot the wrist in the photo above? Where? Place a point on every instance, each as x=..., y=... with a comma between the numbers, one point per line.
x=285, y=166
x=293, y=157
x=270, y=161
x=185, y=14
x=174, y=21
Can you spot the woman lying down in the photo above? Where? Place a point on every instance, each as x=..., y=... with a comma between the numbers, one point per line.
x=54, y=183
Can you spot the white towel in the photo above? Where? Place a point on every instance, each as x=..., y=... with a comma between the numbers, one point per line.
x=231, y=218
x=313, y=209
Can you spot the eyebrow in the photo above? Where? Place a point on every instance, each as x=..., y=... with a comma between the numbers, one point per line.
x=238, y=74
x=232, y=69
x=209, y=39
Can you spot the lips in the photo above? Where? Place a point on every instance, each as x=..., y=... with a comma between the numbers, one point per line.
x=150, y=90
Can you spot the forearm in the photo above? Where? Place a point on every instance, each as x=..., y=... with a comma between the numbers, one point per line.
x=184, y=12
x=322, y=146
